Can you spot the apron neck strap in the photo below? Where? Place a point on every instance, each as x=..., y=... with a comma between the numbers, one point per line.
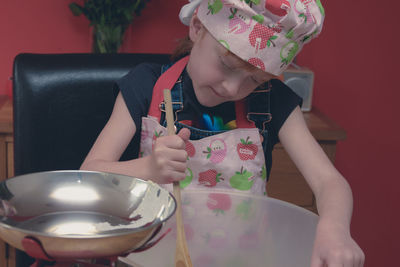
x=166, y=81
x=241, y=115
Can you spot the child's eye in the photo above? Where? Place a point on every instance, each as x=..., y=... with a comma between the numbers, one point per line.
x=225, y=65
x=255, y=81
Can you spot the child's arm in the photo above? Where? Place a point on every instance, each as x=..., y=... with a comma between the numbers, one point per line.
x=166, y=164
x=333, y=244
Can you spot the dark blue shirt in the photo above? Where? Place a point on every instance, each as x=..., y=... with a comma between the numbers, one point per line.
x=137, y=88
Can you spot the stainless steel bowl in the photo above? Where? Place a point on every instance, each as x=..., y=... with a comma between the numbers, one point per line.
x=82, y=214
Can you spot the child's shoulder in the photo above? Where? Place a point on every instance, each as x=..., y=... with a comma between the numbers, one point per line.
x=144, y=70
x=277, y=83
x=281, y=90
x=143, y=75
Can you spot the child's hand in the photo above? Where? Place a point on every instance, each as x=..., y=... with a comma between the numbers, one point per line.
x=168, y=159
x=334, y=247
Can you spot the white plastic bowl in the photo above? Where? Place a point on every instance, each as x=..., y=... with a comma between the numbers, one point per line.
x=233, y=229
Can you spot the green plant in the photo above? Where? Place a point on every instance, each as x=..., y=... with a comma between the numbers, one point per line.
x=109, y=19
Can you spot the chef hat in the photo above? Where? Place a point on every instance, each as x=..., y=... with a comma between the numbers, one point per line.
x=187, y=11
x=266, y=33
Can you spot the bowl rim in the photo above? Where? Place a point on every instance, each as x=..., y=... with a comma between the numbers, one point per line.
x=121, y=232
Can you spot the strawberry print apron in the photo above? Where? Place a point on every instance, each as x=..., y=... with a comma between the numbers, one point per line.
x=227, y=160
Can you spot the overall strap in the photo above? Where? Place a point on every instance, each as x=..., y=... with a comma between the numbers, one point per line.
x=169, y=78
x=166, y=81
x=258, y=106
x=176, y=96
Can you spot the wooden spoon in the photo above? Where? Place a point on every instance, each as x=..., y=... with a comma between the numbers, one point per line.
x=182, y=257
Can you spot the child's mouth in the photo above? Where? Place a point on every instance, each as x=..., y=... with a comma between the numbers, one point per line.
x=216, y=93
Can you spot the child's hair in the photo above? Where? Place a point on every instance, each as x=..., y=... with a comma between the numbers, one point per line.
x=182, y=49
x=185, y=45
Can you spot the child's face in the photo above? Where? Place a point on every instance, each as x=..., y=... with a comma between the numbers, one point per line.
x=219, y=76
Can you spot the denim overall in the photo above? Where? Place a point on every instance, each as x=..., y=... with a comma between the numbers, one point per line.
x=224, y=160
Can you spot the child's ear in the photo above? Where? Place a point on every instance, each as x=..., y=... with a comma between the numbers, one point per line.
x=195, y=28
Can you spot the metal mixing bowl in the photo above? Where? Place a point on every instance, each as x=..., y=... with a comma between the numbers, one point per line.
x=82, y=214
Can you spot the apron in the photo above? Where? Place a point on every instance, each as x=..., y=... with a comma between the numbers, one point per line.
x=219, y=162
x=222, y=160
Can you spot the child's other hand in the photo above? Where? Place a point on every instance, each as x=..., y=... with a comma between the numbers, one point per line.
x=334, y=247
x=168, y=159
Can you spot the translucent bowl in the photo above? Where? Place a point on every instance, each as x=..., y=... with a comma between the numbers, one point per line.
x=233, y=229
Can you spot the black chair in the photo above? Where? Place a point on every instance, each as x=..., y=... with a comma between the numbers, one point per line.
x=61, y=103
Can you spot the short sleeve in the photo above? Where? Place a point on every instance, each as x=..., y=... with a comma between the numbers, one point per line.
x=283, y=102
x=137, y=89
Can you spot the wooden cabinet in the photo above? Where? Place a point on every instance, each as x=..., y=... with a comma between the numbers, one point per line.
x=7, y=254
x=286, y=183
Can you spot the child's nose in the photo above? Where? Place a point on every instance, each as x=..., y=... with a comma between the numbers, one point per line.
x=232, y=85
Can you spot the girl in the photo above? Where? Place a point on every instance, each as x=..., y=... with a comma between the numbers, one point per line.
x=228, y=103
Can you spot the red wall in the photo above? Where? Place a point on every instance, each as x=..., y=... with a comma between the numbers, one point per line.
x=355, y=64
x=48, y=26
x=354, y=60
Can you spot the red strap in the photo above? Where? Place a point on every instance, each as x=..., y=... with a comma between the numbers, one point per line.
x=34, y=248
x=166, y=81
x=241, y=119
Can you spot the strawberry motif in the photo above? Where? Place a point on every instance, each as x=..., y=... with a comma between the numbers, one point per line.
x=251, y=2
x=209, y=178
x=239, y=24
x=155, y=136
x=246, y=149
x=144, y=133
x=190, y=149
x=263, y=172
x=262, y=36
x=288, y=52
x=242, y=180
x=219, y=203
x=215, y=7
x=188, y=178
x=257, y=63
x=243, y=209
x=278, y=7
x=302, y=8
x=216, y=151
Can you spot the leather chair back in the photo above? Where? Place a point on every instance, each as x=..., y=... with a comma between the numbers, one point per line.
x=62, y=102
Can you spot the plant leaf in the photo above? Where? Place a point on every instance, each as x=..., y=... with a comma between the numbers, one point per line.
x=111, y=17
x=76, y=9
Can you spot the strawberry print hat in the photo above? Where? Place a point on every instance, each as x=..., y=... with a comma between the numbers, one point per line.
x=266, y=33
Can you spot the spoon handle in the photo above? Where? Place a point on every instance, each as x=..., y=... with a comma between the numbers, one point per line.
x=182, y=257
